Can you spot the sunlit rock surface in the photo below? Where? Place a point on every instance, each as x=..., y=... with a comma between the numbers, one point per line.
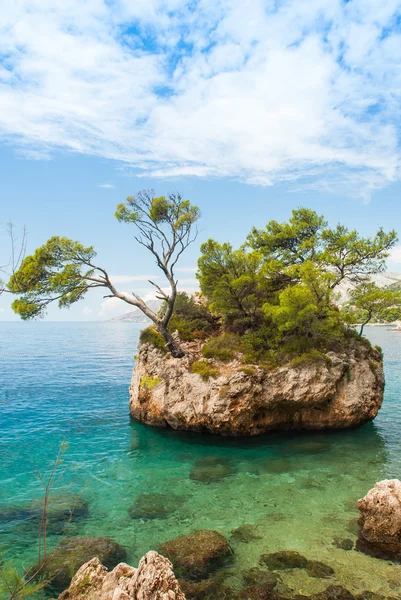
x=152, y=580
x=380, y=520
x=344, y=391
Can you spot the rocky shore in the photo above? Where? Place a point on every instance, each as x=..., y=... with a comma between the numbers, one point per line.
x=195, y=566
x=341, y=390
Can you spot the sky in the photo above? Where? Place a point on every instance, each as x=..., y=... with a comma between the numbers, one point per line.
x=248, y=109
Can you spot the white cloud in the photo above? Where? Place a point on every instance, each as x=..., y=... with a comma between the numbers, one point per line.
x=111, y=306
x=186, y=269
x=106, y=186
x=129, y=278
x=262, y=92
x=395, y=255
x=86, y=311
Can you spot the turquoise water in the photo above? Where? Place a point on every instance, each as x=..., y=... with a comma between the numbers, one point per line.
x=69, y=382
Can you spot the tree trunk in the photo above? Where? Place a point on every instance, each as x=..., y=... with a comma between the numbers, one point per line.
x=171, y=343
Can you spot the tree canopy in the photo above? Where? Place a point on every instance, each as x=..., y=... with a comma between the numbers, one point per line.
x=64, y=270
x=278, y=290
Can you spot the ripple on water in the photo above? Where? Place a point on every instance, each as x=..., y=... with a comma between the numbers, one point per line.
x=280, y=492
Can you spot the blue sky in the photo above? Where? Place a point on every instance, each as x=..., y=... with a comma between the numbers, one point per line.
x=248, y=110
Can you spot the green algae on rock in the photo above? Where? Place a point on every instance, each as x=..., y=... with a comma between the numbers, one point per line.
x=198, y=554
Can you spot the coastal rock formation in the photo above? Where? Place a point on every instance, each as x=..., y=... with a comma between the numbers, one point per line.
x=346, y=390
x=152, y=580
x=71, y=553
x=380, y=520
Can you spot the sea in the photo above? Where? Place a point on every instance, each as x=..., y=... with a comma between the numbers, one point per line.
x=67, y=383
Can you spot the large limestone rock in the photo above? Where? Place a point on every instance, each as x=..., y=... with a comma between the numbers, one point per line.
x=380, y=519
x=152, y=580
x=346, y=391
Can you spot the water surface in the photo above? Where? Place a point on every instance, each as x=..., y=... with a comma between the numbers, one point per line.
x=68, y=382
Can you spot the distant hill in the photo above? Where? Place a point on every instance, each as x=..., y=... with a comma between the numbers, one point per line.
x=390, y=279
x=136, y=316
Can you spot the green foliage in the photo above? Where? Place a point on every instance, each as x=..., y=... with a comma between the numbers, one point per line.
x=310, y=357
x=192, y=319
x=374, y=302
x=232, y=282
x=13, y=583
x=248, y=370
x=278, y=290
x=149, y=382
x=223, y=347
x=150, y=335
x=173, y=211
x=58, y=270
x=203, y=369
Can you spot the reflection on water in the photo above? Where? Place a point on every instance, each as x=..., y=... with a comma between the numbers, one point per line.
x=278, y=492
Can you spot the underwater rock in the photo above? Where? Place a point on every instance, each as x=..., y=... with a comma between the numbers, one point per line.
x=198, y=554
x=71, y=553
x=333, y=592
x=345, y=393
x=154, y=506
x=152, y=580
x=245, y=533
x=259, y=577
x=61, y=510
x=211, y=468
x=380, y=521
x=317, y=569
x=343, y=543
x=207, y=589
x=286, y=559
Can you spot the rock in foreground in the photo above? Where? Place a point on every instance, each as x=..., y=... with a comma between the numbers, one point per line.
x=344, y=391
x=152, y=580
x=380, y=519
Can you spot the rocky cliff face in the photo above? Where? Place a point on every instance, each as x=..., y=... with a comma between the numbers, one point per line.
x=345, y=391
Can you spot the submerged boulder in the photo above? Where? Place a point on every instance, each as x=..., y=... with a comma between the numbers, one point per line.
x=211, y=468
x=380, y=520
x=60, y=511
x=345, y=390
x=285, y=559
x=62, y=564
x=152, y=580
x=154, y=506
x=198, y=554
x=317, y=569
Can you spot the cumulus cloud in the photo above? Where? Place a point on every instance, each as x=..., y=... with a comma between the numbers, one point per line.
x=395, y=255
x=128, y=278
x=263, y=92
x=86, y=311
x=110, y=307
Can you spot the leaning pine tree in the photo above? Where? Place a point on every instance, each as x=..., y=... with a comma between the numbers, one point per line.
x=63, y=270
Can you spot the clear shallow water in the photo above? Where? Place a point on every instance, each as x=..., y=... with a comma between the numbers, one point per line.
x=69, y=382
